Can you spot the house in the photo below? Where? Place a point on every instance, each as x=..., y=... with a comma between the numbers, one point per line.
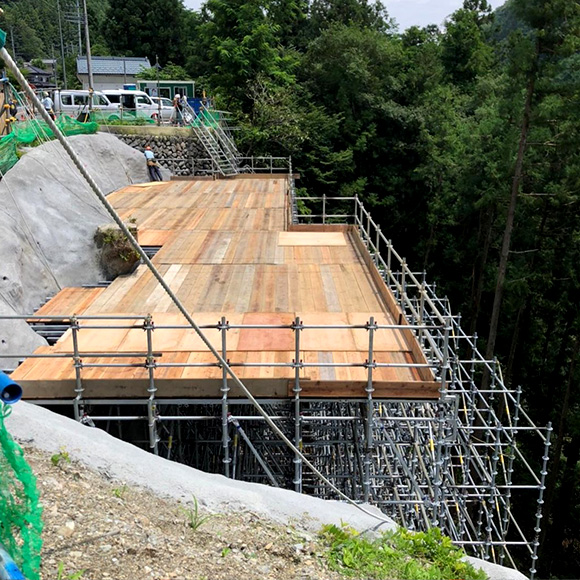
x=39, y=78
x=111, y=72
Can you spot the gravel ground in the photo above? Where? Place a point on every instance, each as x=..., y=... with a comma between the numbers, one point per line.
x=107, y=529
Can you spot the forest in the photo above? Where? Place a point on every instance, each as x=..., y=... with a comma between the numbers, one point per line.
x=463, y=140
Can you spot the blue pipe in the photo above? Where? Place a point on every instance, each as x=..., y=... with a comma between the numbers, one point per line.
x=8, y=568
x=10, y=392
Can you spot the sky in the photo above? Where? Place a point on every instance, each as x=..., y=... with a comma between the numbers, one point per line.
x=407, y=12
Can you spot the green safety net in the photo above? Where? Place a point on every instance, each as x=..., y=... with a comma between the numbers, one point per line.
x=27, y=132
x=8, y=155
x=20, y=510
x=207, y=118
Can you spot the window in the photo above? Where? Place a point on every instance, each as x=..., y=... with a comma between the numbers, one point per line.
x=81, y=100
x=165, y=92
x=114, y=98
x=100, y=101
x=66, y=100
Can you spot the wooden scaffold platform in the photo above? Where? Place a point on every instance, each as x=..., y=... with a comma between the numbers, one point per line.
x=286, y=304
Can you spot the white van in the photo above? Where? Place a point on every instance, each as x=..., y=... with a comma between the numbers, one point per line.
x=138, y=103
x=76, y=102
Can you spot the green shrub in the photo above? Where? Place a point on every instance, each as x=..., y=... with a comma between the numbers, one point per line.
x=400, y=555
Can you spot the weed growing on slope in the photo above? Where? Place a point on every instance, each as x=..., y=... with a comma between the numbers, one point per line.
x=402, y=555
x=58, y=459
x=194, y=518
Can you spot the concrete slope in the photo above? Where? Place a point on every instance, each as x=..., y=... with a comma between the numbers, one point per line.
x=48, y=218
x=122, y=461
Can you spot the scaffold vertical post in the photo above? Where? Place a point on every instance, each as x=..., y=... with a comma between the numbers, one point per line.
x=403, y=283
x=377, y=245
x=152, y=389
x=542, y=488
x=297, y=421
x=324, y=209
x=225, y=389
x=369, y=422
x=78, y=364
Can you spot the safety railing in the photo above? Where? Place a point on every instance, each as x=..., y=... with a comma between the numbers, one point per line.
x=191, y=166
x=492, y=416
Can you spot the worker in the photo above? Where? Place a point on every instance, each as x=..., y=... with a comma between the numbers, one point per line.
x=48, y=105
x=154, y=172
x=178, y=109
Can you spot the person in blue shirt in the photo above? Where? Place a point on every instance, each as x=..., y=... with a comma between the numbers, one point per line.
x=152, y=166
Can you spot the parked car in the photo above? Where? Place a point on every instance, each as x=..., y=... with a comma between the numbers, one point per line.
x=167, y=111
x=136, y=103
x=75, y=102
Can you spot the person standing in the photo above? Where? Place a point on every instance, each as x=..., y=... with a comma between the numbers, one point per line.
x=178, y=107
x=153, y=168
x=48, y=105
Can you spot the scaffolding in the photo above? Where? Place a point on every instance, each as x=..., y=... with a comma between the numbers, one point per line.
x=456, y=462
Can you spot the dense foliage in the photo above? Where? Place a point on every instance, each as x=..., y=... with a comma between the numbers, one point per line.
x=464, y=141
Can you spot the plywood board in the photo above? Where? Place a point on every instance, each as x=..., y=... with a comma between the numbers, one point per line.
x=311, y=239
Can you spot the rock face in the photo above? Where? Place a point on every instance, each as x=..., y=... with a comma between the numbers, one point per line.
x=117, y=256
x=48, y=218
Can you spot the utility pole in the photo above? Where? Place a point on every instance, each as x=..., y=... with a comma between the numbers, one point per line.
x=79, y=19
x=157, y=67
x=61, y=44
x=12, y=40
x=88, y=42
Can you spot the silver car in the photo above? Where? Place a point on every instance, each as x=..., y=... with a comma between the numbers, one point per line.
x=167, y=110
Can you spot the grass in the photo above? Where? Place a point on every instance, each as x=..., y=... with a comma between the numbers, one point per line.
x=61, y=457
x=400, y=555
x=194, y=519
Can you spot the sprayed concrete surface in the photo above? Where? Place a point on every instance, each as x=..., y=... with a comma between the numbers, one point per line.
x=40, y=428
x=48, y=217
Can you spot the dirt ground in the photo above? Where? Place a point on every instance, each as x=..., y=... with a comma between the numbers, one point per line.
x=97, y=529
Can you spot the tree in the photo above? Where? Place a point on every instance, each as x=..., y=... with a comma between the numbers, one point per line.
x=170, y=72
x=147, y=28
x=465, y=54
x=237, y=42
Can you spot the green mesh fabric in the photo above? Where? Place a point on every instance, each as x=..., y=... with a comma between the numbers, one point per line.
x=20, y=511
x=26, y=132
x=8, y=156
x=207, y=118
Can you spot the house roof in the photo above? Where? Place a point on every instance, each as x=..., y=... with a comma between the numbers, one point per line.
x=113, y=65
x=36, y=71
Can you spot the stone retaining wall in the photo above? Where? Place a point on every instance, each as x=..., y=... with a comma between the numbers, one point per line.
x=177, y=150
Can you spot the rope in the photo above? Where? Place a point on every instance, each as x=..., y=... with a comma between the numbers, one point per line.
x=111, y=210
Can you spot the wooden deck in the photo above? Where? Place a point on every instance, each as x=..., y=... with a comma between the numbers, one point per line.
x=226, y=250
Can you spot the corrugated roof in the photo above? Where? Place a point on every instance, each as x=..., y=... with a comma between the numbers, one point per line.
x=112, y=65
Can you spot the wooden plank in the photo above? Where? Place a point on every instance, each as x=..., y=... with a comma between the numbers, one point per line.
x=311, y=239
x=269, y=339
x=356, y=389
